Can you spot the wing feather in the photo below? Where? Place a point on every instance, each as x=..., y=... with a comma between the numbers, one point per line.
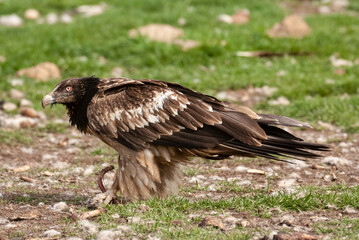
x=137, y=113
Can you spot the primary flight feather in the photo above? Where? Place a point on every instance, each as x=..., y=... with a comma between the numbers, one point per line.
x=157, y=126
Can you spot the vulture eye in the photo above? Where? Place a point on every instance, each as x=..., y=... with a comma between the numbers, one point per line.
x=68, y=89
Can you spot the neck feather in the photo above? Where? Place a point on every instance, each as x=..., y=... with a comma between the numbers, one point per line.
x=77, y=111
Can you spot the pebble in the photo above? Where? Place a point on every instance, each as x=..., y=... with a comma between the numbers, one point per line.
x=52, y=233
x=2, y=59
x=349, y=210
x=16, y=82
x=8, y=106
x=91, y=10
x=244, y=183
x=285, y=183
x=336, y=161
x=31, y=14
x=60, y=165
x=73, y=238
x=117, y=72
x=124, y=228
x=25, y=103
x=12, y=20
x=3, y=221
x=10, y=225
x=16, y=94
x=294, y=175
x=231, y=220
x=28, y=112
x=89, y=226
x=42, y=71
x=225, y=18
x=279, y=101
x=107, y=235
x=241, y=169
x=66, y=18
x=52, y=18
x=60, y=206
x=134, y=220
x=89, y=170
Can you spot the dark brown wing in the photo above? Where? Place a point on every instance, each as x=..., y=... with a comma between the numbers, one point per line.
x=138, y=112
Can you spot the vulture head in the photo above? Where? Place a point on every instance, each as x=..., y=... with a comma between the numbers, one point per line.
x=71, y=91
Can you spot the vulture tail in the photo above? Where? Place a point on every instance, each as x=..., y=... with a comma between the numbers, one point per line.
x=280, y=144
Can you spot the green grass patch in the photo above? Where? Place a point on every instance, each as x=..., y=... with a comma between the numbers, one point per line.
x=76, y=48
x=15, y=136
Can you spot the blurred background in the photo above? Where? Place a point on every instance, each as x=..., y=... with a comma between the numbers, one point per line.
x=292, y=57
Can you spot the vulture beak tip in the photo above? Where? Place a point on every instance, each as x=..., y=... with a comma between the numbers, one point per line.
x=48, y=99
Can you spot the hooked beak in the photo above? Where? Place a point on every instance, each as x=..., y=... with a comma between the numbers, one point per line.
x=48, y=99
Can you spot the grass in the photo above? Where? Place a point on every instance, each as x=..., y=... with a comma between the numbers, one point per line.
x=106, y=35
x=161, y=213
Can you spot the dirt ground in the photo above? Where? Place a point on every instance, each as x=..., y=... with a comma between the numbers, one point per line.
x=63, y=166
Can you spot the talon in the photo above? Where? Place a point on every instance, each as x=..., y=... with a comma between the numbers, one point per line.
x=100, y=177
x=109, y=198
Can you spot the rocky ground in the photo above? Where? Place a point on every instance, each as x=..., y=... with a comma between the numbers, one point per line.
x=48, y=180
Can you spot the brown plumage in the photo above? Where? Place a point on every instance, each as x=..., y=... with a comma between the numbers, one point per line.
x=157, y=126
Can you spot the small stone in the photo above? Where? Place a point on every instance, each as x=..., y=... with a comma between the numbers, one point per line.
x=52, y=18
x=241, y=169
x=8, y=106
x=336, y=161
x=74, y=238
x=285, y=183
x=158, y=32
x=16, y=82
x=124, y=228
x=91, y=10
x=3, y=221
x=16, y=94
x=240, y=17
x=212, y=221
x=89, y=226
x=117, y=72
x=281, y=73
x=350, y=210
x=66, y=18
x=28, y=112
x=89, y=170
x=2, y=59
x=294, y=175
x=60, y=206
x=31, y=14
x=225, y=18
x=339, y=62
x=231, y=220
x=279, y=101
x=42, y=71
x=244, y=223
x=10, y=225
x=144, y=208
x=12, y=20
x=25, y=103
x=292, y=26
x=135, y=220
x=52, y=233
x=181, y=21
x=329, y=81
x=107, y=235
x=324, y=9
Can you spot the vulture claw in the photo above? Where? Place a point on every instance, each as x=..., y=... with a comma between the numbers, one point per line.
x=107, y=196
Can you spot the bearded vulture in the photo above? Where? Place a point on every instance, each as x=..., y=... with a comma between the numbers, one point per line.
x=157, y=126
